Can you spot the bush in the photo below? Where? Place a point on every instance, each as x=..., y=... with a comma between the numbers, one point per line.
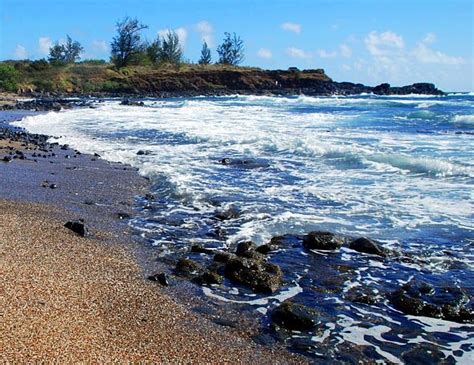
x=8, y=78
x=39, y=65
x=92, y=62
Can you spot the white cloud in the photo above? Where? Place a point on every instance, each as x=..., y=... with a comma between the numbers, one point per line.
x=346, y=67
x=44, y=44
x=206, y=30
x=264, y=53
x=297, y=53
x=181, y=32
x=429, y=38
x=383, y=44
x=326, y=54
x=345, y=50
x=21, y=52
x=100, y=45
x=291, y=27
x=424, y=54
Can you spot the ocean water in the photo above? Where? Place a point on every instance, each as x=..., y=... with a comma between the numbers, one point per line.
x=399, y=170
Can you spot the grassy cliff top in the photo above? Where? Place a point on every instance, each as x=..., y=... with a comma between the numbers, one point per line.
x=100, y=77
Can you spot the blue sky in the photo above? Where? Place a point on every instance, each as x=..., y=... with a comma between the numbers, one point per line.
x=368, y=41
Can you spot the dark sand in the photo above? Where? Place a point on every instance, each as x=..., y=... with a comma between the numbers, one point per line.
x=66, y=298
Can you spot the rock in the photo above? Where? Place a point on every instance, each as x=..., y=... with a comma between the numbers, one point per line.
x=209, y=277
x=421, y=299
x=265, y=249
x=426, y=353
x=318, y=240
x=361, y=295
x=231, y=212
x=247, y=249
x=187, y=267
x=123, y=215
x=161, y=278
x=223, y=256
x=142, y=152
x=260, y=276
x=200, y=249
x=129, y=102
x=53, y=186
x=294, y=317
x=366, y=245
x=6, y=159
x=77, y=227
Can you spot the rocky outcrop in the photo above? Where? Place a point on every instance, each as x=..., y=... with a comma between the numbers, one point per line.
x=318, y=240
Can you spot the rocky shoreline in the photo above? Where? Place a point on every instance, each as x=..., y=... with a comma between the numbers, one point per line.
x=94, y=200
x=258, y=269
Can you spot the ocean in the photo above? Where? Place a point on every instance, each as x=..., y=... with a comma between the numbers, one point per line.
x=396, y=169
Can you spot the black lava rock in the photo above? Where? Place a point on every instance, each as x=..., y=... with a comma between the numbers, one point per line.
x=318, y=240
x=366, y=245
x=160, y=278
x=77, y=227
x=294, y=317
x=260, y=276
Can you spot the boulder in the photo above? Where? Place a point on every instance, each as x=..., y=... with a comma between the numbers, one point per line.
x=294, y=317
x=260, y=276
x=366, y=245
x=318, y=240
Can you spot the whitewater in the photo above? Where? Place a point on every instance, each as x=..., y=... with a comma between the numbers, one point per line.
x=399, y=170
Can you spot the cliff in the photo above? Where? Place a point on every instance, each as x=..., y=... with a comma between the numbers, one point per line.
x=39, y=78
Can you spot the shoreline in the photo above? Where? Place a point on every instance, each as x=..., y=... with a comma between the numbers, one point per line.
x=38, y=195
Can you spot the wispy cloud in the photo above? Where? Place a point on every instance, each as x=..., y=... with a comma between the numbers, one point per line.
x=181, y=32
x=206, y=30
x=345, y=50
x=383, y=44
x=326, y=54
x=297, y=53
x=424, y=54
x=20, y=52
x=264, y=53
x=100, y=45
x=44, y=44
x=291, y=27
x=429, y=38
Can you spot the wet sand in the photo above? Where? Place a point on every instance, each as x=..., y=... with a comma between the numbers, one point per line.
x=67, y=298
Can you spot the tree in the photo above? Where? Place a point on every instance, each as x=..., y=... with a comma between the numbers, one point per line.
x=153, y=51
x=231, y=51
x=127, y=44
x=205, y=55
x=171, y=50
x=67, y=52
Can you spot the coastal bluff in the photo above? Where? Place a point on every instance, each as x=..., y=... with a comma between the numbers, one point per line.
x=90, y=79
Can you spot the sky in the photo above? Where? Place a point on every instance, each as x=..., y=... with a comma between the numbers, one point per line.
x=367, y=41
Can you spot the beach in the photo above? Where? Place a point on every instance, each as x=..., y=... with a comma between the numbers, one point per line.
x=69, y=298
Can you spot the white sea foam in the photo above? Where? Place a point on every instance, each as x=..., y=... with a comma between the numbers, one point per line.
x=464, y=119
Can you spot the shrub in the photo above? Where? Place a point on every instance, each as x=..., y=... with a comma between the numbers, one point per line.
x=8, y=78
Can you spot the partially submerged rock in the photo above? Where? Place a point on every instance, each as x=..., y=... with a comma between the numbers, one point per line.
x=319, y=240
x=366, y=245
x=421, y=299
x=295, y=317
x=260, y=276
x=187, y=267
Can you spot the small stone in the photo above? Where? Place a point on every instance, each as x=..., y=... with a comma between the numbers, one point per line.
x=294, y=317
x=161, y=278
x=77, y=227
